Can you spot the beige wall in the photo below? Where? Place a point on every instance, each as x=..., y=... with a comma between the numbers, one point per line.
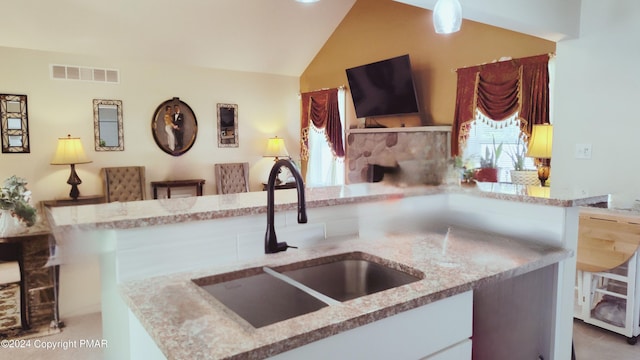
x=267, y=106
x=378, y=29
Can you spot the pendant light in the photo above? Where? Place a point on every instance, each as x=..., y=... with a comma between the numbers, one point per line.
x=447, y=16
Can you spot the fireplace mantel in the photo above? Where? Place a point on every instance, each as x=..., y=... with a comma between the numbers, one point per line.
x=399, y=129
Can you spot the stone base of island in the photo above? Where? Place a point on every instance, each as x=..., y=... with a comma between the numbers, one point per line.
x=498, y=266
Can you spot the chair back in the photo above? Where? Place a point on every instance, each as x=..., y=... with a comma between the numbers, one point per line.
x=125, y=183
x=232, y=178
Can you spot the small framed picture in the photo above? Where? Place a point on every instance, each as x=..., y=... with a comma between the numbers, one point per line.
x=227, y=125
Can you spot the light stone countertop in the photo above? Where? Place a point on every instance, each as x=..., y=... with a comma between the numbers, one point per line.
x=135, y=214
x=187, y=323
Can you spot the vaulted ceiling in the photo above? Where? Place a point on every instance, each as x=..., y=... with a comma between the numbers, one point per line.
x=265, y=36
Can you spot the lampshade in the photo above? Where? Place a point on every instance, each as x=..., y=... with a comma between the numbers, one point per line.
x=276, y=148
x=447, y=16
x=69, y=151
x=541, y=141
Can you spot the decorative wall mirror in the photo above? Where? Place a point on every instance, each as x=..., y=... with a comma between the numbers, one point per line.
x=107, y=125
x=14, y=124
x=174, y=127
x=227, y=125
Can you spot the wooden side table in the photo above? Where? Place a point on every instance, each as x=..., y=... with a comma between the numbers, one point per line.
x=197, y=183
x=289, y=185
x=82, y=200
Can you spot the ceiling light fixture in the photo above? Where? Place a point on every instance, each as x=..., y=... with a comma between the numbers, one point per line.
x=447, y=16
x=307, y=1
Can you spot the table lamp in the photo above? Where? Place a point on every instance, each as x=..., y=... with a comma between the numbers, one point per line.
x=540, y=145
x=276, y=149
x=70, y=152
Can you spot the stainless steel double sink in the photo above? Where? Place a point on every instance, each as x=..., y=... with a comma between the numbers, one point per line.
x=263, y=296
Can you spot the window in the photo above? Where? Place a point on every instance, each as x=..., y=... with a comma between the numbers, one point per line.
x=323, y=167
x=482, y=133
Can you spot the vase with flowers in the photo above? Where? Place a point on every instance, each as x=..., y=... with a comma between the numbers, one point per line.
x=16, y=211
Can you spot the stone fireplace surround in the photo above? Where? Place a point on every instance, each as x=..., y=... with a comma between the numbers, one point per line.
x=418, y=154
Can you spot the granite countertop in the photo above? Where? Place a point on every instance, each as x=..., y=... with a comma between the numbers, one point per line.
x=119, y=215
x=187, y=323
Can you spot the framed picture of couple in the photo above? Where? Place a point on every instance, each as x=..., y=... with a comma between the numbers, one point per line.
x=174, y=127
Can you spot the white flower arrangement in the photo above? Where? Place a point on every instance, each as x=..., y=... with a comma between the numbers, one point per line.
x=15, y=198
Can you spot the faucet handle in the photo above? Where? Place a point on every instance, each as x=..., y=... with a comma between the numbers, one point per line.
x=283, y=246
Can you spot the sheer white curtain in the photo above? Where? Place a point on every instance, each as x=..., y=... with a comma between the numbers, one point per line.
x=323, y=167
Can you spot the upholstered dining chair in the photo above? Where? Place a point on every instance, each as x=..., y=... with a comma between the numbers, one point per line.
x=124, y=183
x=232, y=178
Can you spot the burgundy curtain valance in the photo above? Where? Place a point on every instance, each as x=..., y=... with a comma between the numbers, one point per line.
x=321, y=109
x=499, y=90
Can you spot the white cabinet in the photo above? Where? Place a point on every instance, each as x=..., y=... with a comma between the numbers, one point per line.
x=611, y=299
x=457, y=352
x=437, y=331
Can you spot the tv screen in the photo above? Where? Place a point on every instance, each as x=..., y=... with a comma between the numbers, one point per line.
x=383, y=88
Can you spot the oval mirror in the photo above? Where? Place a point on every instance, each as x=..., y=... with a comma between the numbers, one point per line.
x=107, y=125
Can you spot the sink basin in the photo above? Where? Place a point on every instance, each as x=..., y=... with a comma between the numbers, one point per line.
x=351, y=275
x=259, y=298
x=263, y=296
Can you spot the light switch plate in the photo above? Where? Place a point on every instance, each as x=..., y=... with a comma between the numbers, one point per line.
x=583, y=151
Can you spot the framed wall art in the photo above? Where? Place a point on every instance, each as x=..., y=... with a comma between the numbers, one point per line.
x=107, y=125
x=174, y=127
x=14, y=123
x=227, y=125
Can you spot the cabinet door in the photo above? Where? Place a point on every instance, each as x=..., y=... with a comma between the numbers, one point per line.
x=412, y=334
x=458, y=352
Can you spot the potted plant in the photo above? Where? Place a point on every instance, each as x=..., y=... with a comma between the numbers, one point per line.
x=488, y=171
x=14, y=205
x=520, y=175
x=463, y=171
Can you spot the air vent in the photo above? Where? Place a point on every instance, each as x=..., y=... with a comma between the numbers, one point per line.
x=84, y=73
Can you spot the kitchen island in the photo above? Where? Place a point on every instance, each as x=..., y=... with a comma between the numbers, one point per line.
x=153, y=245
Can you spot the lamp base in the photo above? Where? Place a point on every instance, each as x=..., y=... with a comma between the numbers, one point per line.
x=74, y=181
x=543, y=174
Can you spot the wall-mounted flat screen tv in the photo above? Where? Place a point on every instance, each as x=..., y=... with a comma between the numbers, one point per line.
x=383, y=88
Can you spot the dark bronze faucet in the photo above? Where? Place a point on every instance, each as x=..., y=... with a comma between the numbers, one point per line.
x=271, y=244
